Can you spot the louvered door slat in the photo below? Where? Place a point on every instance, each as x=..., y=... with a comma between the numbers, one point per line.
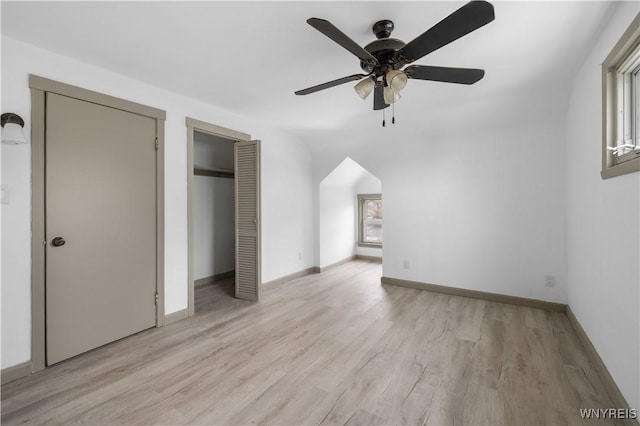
x=247, y=178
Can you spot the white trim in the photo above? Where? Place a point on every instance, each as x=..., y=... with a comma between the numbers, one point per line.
x=619, y=103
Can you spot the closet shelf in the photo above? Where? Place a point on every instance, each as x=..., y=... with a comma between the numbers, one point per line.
x=221, y=173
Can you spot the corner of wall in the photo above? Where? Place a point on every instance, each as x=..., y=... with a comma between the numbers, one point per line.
x=602, y=226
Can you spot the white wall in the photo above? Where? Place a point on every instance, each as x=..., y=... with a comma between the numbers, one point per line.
x=286, y=163
x=214, y=226
x=337, y=204
x=603, y=276
x=478, y=206
x=338, y=211
x=482, y=210
x=16, y=234
x=337, y=230
x=2, y=307
x=213, y=208
x=287, y=206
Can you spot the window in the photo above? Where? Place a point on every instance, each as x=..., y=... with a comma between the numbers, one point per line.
x=370, y=220
x=621, y=105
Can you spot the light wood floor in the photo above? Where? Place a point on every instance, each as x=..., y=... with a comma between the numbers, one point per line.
x=330, y=348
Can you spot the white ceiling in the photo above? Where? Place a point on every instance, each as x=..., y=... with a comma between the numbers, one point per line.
x=249, y=57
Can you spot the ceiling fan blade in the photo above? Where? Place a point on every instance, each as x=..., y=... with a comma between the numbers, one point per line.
x=378, y=97
x=447, y=75
x=331, y=31
x=469, y=17
x=329, y=84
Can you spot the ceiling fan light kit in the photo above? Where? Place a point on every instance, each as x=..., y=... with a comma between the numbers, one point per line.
x=365, y=87
x=390, y=96
x=396, y=79
x=383, y=59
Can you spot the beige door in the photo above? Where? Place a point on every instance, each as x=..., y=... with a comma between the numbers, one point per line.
x=247, y=170
x=101, y=199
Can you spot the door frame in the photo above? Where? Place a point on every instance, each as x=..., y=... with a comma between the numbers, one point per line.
x=194, y=125
x=39, y=87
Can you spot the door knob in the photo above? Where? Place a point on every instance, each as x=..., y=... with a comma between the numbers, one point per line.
x=58, y=241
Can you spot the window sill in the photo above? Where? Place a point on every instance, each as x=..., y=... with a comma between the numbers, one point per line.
x=370, y=245
x=630, y=166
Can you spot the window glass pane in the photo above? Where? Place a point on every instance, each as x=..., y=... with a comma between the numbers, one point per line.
x=373, y=232
x=373, y=209
x=370, y=219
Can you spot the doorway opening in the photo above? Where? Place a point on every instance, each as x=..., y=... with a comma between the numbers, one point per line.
x=213, y=219
x=224, y=227
x=350, y=216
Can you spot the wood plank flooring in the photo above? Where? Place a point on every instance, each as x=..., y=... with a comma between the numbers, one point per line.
x=330, y=348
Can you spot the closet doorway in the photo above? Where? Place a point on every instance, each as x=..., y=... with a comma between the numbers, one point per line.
x=213, y=218
x=224, y=215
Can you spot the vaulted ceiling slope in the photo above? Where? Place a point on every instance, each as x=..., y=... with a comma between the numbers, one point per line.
x=250, y=57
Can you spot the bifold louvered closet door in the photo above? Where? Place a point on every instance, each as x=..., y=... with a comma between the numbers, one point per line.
x=247, y=170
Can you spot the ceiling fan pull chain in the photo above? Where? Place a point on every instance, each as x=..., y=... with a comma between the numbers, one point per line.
x=393, y=112
x=383, y=121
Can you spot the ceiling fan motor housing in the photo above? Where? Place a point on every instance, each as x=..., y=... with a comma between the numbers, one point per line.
x=383, y=49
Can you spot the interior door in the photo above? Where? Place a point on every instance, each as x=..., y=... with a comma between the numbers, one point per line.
x=100, y=225
x=247, y=169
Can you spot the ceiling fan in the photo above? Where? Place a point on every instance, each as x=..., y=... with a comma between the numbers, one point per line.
x=383, y=59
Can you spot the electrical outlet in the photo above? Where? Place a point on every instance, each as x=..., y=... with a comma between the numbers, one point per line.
x=549, y=281
x=406, y=264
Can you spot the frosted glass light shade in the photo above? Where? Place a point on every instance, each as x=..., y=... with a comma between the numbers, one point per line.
x=397, y=79
x=12, y=134
x=390, y=95
x=365, y=87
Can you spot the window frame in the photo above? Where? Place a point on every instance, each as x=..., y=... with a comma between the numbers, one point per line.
x=362, y=199
x=619, y=117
